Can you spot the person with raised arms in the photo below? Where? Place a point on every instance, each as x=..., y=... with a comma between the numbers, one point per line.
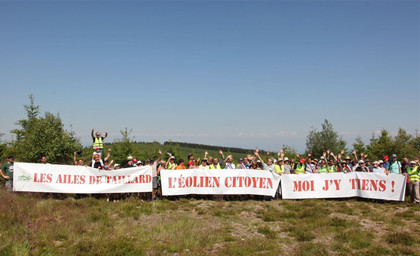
x=170, y=164
x=98, y=141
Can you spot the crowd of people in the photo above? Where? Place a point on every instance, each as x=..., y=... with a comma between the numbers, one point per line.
x=328, y=162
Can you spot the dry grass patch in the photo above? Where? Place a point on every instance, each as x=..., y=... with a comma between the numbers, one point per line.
x=35, y=225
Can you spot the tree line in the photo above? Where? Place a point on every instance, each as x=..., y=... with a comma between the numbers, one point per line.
x=39, y=135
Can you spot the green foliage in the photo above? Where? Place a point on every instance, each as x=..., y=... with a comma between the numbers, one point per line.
x=123, y=147
x=289, y=151
x=326, y=139
x=403, y=144
x=39, y=136
x=359, y=145
x=174, y=149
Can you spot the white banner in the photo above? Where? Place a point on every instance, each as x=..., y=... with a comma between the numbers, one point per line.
x=341, y=185
x=79, y=179
x=219, y=182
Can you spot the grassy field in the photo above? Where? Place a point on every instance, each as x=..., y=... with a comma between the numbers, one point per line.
x=33, y=225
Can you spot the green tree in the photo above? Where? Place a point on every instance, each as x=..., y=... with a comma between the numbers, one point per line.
x=360, y=146
x=318, y=142
x=403, y=144
x=45, y=135
x=174, y=149
x=380, y=146
x=289, y=152
x=123, y=147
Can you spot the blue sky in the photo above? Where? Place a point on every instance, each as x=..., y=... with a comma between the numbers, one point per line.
x=234, y=73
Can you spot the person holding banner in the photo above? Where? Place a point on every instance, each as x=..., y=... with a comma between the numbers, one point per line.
x=270, y=166
x=228, y=162
x=377, y=168
x=395, y=165
x=97, y=162
x=413, y=185
x=300, y=166
x=6, y=172
x=323, y=166
x=194, y=164
x=204, y=164
x=241, y=164
x=153, y=164
x=79, y=162
x=180, y=165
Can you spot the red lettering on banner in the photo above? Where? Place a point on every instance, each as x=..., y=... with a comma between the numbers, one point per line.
x=368, y=185
x=70, y=179
x=228, y=185
x=147, y=178
x=270, y=183
x=247, y=182
x=254, y=181
x=42, y=177
x=337, y=184
x=303, y=185
x=94, y=179
x=382, y=186
x=171, y=184
x=331, y=182
x=188, y=182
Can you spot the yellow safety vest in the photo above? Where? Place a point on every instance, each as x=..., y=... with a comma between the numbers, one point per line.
x=332, y=169
x=300, y=169
x=212, y=166
x=98, y=143
x=171, y=166
x=279, y=168
x=322, y=170
x=413, y=173
x=203, y=167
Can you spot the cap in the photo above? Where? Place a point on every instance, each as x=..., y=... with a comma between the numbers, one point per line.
x=367, y=160
x=286, y=159
x=386, y=157
x=348, y=158
x=204, y=160
x=322, y=157
x=240, y=159
x=361, y=162
x=172, y=157
x=394, y=156
x=129, y=158
x=134, y=160
x=189, y=155
x=376, y=162
x=302, y=160
x=412, y=162
x=381, y=162
x=116, y=165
